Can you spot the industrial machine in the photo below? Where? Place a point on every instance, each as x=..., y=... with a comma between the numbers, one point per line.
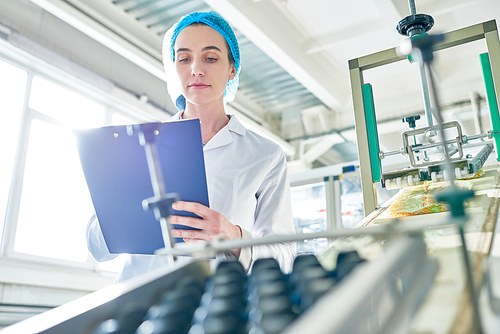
x=438, y=151
x=422, y=145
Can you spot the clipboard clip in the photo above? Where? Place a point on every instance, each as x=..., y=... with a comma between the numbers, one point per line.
x=145, y=132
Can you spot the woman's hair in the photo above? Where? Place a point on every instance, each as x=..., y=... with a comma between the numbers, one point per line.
x=216, y=22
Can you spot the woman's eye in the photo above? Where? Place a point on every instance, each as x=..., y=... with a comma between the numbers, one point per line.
x=183, y=60
x=210, y=59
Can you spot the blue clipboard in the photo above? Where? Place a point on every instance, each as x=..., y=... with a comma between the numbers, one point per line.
x=115, y=168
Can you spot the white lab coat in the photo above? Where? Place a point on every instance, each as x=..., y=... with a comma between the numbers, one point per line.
x=248, y=183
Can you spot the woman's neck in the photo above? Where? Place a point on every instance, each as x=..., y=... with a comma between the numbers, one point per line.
x=212, y=120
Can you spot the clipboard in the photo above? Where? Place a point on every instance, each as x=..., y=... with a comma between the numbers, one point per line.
x=115, y=168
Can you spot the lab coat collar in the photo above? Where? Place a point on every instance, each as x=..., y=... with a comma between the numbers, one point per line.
x=225, y=135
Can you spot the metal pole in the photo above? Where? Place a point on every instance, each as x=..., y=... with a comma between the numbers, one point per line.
x=158, y=186
x=470, y=280
x=447, y=160
x=206, y=249
x=368, y=189
x=413, y=9
x=425, y=92
x=161, y=202
x=423, y=74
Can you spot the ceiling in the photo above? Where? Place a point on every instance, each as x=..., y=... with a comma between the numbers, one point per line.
x=294, y=83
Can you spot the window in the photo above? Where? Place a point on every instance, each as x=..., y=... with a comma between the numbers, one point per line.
x=70, y=109
x=12, y=91
x=43, y=194
x=351, y=201
x=309, y=215
x=325, y=201
x=119, y=119
x=44, y=200
x=55, y=204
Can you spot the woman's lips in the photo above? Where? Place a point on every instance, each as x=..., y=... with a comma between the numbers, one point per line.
x=198, y=86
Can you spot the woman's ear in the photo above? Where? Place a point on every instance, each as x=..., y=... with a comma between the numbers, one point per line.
x=232, y=74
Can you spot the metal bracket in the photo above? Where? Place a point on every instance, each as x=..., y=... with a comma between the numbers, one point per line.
x=411, y=149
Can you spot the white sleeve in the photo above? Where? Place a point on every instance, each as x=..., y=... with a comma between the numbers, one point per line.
x=273, y=215
x=246, y=252
x=95, y=241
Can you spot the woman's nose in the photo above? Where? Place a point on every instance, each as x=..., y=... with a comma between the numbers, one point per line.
x=197, y=68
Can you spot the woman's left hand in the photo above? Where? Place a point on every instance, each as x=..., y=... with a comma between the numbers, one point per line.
x=211, y=224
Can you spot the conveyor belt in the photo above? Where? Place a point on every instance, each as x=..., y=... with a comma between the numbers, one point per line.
x=189, y=297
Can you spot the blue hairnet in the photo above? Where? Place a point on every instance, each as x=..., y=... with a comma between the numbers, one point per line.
x=215, y=21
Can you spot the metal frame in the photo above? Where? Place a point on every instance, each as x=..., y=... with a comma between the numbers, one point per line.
x=486, y=30
x=410, y=150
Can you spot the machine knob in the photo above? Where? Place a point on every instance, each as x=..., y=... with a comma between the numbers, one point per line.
x=411, y=120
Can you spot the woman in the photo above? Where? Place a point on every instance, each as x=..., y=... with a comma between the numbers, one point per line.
x=247, y=179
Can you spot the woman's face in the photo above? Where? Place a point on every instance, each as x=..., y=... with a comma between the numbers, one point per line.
x=202, y=64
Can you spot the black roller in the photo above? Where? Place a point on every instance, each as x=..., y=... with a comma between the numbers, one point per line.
x=276, y=323
x=125, y=323
x=265, y=265
x=275, y=288
x=164, y=326
x=227, y=307
x=305, y=261
x=346, y=262
x=314, y=290
x=234, y=267
x=227, y=278
x=275, y=304
x=224, y=325
x=265, y=276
